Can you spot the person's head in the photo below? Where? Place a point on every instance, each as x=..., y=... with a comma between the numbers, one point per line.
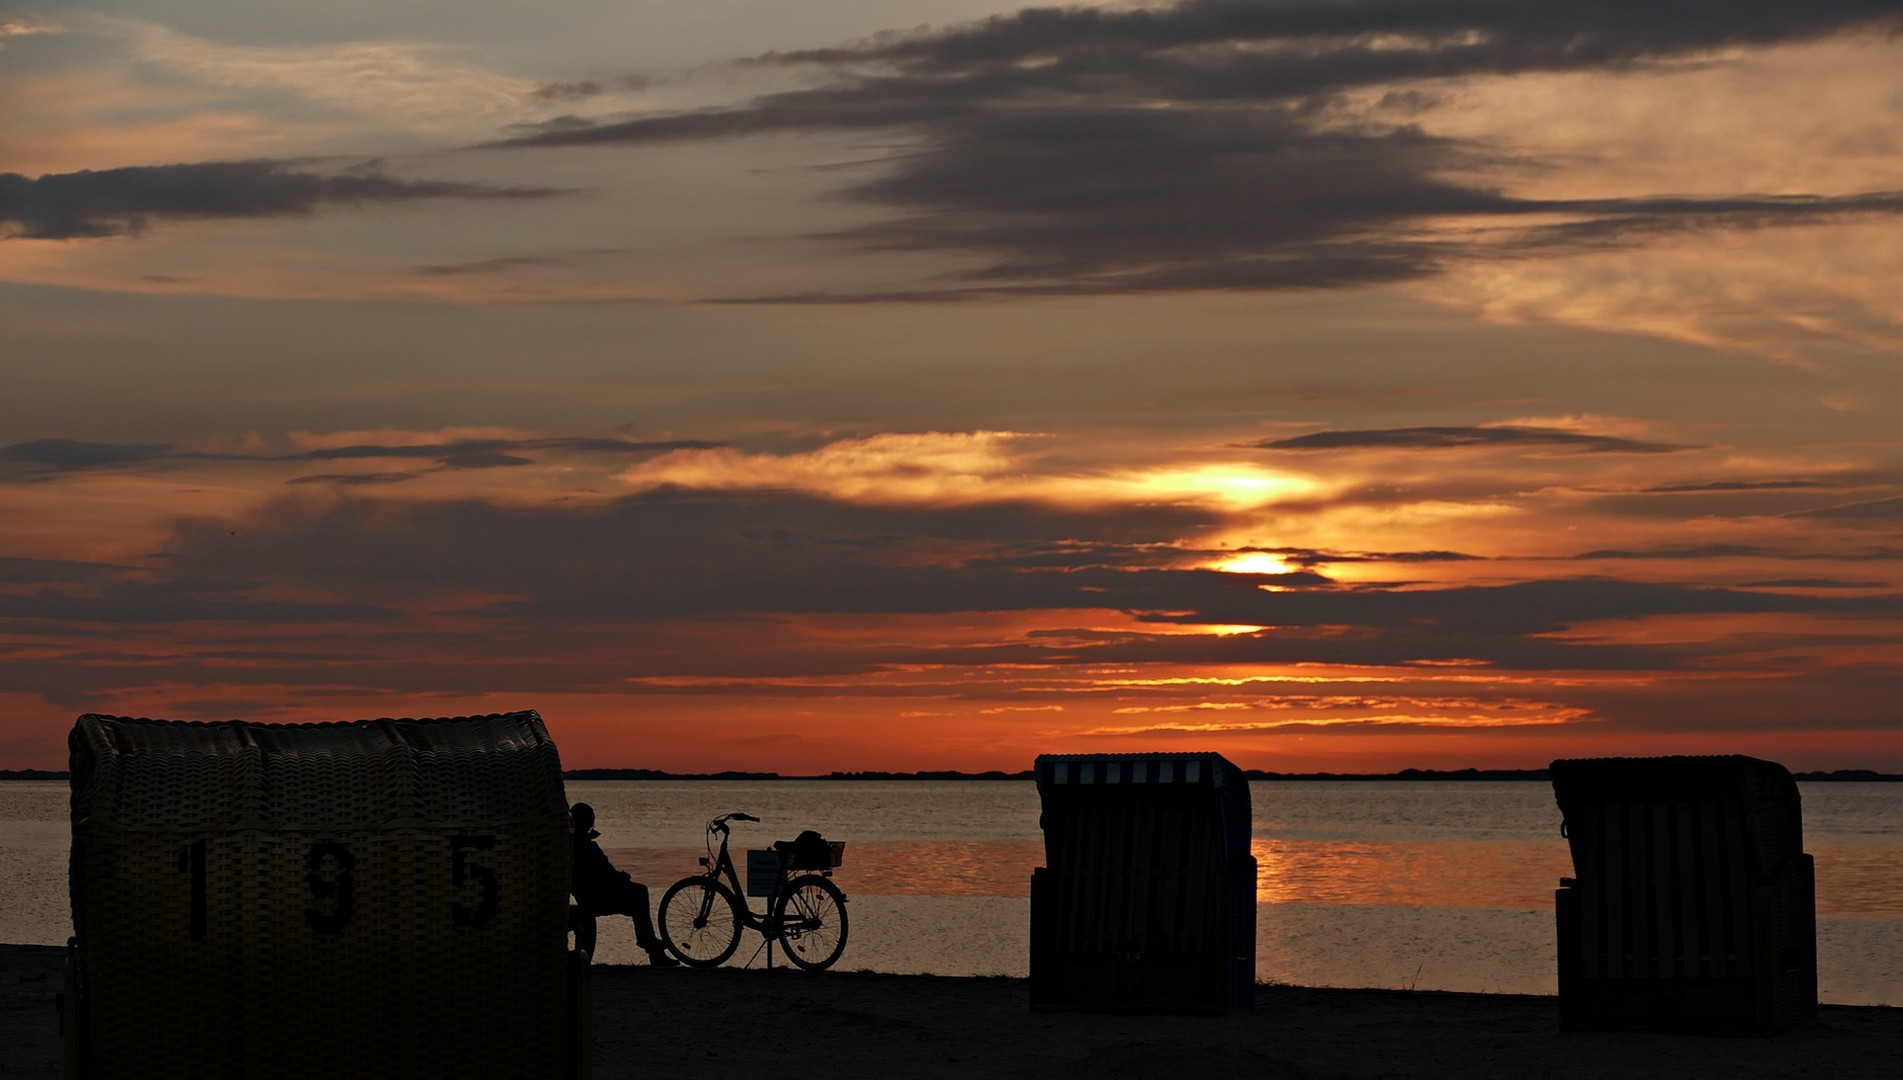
x=583, y=815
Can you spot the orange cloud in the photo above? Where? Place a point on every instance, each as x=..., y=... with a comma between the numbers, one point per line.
x=16, y=28
x=963, y=467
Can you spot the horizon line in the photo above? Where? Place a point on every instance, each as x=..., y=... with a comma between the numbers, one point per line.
x=1467, y=774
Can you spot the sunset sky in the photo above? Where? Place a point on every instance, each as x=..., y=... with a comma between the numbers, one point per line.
x=913, y=384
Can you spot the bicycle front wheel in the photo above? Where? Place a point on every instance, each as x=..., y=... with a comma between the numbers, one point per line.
x=812, y=917
x=699, y=921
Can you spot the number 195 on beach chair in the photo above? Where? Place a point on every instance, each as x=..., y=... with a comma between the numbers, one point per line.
x=383, y=898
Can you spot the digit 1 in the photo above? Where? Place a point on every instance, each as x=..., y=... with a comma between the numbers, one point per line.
x=192, y=861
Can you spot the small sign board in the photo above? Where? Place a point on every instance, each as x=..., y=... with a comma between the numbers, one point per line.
x=763, y=872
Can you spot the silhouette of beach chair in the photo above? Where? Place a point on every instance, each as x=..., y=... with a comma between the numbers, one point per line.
x=1147, y=899
x=384, y=898
x=1693, y=908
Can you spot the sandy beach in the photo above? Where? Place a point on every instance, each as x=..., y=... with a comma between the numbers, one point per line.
x=746, y=1023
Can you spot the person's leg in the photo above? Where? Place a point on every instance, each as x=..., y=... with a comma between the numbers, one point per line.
x=631, y=899
x=636, y=906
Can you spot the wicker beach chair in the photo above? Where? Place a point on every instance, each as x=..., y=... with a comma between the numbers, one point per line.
x=1694, y=906
x=1147, y=899
x=383, y=898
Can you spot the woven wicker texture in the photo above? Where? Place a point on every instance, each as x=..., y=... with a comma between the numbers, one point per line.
x=1774, y=816
x=383, y=898
x=1694, y=902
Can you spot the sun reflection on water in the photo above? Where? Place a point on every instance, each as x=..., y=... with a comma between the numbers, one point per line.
x=1517, y=875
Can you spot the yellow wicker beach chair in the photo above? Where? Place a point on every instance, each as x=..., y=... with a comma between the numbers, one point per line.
x=1694, y=904
x=383, y=898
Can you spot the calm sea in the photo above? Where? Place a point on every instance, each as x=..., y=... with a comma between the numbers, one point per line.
x=1443, y=886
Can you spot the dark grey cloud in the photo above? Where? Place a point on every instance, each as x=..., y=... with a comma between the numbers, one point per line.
x=1205, y=144
x=60, y=455
x=1745, y=551
x=17, y=571
x=1454, y=438
x=41, y=458
x=554, y=124
x=1814, y=583
x=579, y=90
x=720, y=587
x=1849, y=700
x=482, y=459
x=122, y=603
x=676, y=553
x=672, y=554
x=113, y=202
x=583, y=89
x=354, y=479
x=1524, y=608
x=483, y=266
x=1487, y=35
x=1388, y=556
x=496, y=453
x=676, y=556
x=1874, y=510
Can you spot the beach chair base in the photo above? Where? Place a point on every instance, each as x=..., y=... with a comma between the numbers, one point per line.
x=1779, y=993
x=578, y=1051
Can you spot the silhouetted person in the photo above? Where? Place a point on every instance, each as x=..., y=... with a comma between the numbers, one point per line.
x=600, y=889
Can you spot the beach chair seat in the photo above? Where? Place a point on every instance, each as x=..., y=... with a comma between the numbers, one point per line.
x=1693, y=903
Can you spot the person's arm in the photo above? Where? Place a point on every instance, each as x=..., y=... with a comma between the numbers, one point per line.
x=592, y=866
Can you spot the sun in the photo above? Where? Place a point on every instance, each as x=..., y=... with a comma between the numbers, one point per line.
x=1256, y=562
x=1237, y=486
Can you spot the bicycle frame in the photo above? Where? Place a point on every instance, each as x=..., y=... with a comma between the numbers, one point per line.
x=721, y=864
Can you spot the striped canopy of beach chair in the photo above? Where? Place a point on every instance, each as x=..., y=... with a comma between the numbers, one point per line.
x=381, y=898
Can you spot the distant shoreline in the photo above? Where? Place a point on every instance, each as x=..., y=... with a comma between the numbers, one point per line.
x=1406, y=775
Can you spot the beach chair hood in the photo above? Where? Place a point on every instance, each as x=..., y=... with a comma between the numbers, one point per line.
x=371, y=898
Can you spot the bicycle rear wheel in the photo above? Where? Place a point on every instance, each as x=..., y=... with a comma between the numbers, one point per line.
x=699, y=921
x=811, y=913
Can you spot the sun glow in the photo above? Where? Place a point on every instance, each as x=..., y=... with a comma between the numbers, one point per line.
x=1215, y=629
x=951, y=467
x=1237, y=486
x=1256, y=562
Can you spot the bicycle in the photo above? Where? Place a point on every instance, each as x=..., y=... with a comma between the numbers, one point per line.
x=700, y=917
